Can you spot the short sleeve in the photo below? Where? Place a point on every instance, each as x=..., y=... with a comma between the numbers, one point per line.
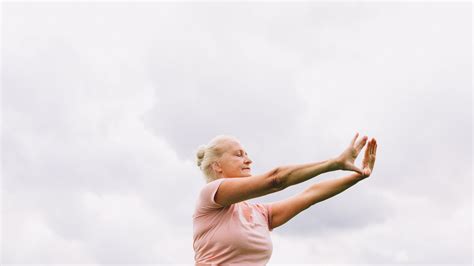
x=206, y=201
x=266, y=210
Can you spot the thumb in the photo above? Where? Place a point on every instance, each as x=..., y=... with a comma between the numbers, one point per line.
x=356, y=169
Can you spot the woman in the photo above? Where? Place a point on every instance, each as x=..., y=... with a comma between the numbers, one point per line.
x=230, y=230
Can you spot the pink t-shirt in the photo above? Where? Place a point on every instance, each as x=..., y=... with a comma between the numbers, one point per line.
x=237, y=234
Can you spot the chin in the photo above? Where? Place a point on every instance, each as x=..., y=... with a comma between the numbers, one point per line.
x=246, y=174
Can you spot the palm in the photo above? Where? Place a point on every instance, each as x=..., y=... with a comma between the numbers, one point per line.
x=347, y=158
x=369, y=158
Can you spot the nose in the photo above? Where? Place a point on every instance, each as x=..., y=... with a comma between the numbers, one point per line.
x=247, y=160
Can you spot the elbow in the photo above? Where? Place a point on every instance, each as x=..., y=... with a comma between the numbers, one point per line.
x=277, y=180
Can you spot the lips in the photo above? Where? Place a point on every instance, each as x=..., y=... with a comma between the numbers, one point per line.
x=246, y=168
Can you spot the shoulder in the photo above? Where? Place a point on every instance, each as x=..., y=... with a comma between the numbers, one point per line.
x=206, y=199
x=211, y=186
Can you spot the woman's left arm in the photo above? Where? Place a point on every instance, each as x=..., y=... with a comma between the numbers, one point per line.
x=283, y=211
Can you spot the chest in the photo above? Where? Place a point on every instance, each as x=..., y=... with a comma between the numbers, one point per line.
x=246, y=215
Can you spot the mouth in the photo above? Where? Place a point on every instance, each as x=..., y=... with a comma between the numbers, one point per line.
x=246, y=168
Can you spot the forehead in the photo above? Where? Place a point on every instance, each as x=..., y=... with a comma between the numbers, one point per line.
x=233, y=145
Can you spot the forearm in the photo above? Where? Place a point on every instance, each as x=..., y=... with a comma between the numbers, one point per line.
x=329, y=188
x=294, y=174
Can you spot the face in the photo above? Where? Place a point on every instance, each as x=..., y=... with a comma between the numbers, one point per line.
x=234, y=162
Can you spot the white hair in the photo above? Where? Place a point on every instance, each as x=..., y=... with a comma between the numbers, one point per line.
x=206, y=155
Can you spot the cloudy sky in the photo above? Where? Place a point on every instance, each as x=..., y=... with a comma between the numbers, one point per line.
x=104, y=105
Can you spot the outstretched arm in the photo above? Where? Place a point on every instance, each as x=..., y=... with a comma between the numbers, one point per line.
x=235, y=190
x=283, y=211
x=294, y=174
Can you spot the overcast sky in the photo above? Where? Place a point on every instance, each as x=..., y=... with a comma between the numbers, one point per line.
x=104, y=105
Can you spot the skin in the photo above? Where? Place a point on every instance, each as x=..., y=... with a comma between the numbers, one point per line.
x=235, y=164
x=286, y=209
x=368, y=162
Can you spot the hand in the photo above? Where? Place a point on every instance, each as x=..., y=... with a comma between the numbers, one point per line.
x=369, y=158
x=345, y=161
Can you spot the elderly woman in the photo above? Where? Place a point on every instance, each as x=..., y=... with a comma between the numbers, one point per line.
x=230, y=230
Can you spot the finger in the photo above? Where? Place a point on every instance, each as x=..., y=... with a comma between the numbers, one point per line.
x=371, y=146
x=361, y=143
x=354, y=139
x=367, y=150
x=375, y=148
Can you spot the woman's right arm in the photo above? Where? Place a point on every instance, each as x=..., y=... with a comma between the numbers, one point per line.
x=235, y=190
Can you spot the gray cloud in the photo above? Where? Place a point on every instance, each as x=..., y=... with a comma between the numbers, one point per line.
x=101, y=118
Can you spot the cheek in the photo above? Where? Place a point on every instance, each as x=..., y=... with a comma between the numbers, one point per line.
x=237, y=164
x=233, y=165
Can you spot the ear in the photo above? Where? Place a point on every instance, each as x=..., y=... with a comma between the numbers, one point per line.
x=216, y=167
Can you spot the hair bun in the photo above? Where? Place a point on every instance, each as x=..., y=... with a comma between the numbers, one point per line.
x=200, y=154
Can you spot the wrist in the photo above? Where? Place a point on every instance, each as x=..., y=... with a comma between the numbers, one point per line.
x=335, y=164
